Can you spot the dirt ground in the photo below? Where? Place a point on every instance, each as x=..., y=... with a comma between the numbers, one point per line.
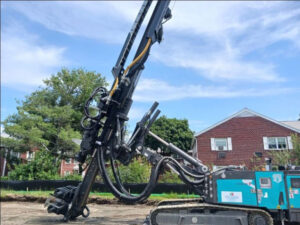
x=16, y=213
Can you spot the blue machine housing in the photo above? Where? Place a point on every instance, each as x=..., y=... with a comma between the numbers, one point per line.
x=271, y=190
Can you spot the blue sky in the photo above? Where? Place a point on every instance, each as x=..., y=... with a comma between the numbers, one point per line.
x=216, y=57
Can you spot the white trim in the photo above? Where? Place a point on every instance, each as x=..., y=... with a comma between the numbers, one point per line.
x=243, y=111
x=266, y=143
x=212, y=144
x=290, y=142
x=214, y=147
x=229, y=144
x=266, y=140
x=68, y=163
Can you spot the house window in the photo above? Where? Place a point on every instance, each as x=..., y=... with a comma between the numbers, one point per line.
x=277, y=143
x=68, y=160
x=221, y=144
x=14, y=154
x=29, y=155
x=67, y=173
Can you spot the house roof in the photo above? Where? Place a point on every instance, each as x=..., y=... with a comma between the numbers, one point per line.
x=292, y=125
x=295, y=124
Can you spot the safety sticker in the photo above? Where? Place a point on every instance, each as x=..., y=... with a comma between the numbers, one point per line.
x=249, y=183
x=277, y=178
x=229, y=196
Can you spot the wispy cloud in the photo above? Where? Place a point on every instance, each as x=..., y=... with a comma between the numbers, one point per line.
x=104, y=20
x=151, y=90
x=216, y=38
x=25, y=61
x=216, y=63
x=136, y=113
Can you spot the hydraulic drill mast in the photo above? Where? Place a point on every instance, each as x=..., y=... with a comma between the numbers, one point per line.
x=101, y=133
x=221, y=191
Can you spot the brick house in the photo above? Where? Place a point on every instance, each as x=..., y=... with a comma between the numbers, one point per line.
x=68, y=167
x=243, y=139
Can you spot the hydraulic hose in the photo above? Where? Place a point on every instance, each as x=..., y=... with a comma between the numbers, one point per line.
x=124, y=196
x=130, y=65
x=121, y=193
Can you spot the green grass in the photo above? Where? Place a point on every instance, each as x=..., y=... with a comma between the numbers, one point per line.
x=105, y=195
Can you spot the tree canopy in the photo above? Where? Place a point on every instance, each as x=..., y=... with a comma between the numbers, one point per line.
x=173, y=130
x=50, y=116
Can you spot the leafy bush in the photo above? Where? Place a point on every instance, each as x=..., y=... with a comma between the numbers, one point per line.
x=74, y=176
x=169, y=177
x=43, y=167
x=285, y=157
x=138, y=171
x=4, y=178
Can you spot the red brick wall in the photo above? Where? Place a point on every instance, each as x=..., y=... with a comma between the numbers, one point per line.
x=247, y=137
x=67, y=167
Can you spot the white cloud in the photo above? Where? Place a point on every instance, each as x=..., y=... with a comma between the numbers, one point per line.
x=25, y=62
x=104, y=20
x=221, y=64
x=136, y=113
x=212, y=38
x=3, y=134
x=150, y=90
x=215, y=38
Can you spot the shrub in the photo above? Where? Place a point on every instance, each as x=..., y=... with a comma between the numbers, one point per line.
x=169, y=177
x=43, y=167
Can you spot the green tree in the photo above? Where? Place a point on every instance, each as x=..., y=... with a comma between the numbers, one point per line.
x=173, y=130
x=296, y=148
x=50, y=117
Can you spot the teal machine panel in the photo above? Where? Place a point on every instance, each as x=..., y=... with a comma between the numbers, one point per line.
x=236, y=191
x=293, y=186
x=271, y=192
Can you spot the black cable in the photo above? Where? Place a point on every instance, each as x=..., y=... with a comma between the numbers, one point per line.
x=184, y=170
x=121, y=195
x=87, y=103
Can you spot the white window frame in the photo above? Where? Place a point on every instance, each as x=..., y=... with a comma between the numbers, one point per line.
x=66, y=162
x=288, y=143
x=228, y=144
x=30, y=155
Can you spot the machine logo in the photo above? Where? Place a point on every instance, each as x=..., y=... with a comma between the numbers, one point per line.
x=277, y=178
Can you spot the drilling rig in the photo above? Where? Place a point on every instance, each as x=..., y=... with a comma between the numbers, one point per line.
x=229, y=196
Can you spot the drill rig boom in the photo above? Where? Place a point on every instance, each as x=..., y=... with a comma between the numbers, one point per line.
x=221, y=191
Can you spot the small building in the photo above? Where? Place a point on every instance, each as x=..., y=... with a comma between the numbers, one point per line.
x=7, y=154
x=68, y=166
x=243, y=139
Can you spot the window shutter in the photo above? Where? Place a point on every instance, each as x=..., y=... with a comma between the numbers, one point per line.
x=27, y=154
x=229, y=143
x=212, y=144
x=266, y=144
x=290, y=143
